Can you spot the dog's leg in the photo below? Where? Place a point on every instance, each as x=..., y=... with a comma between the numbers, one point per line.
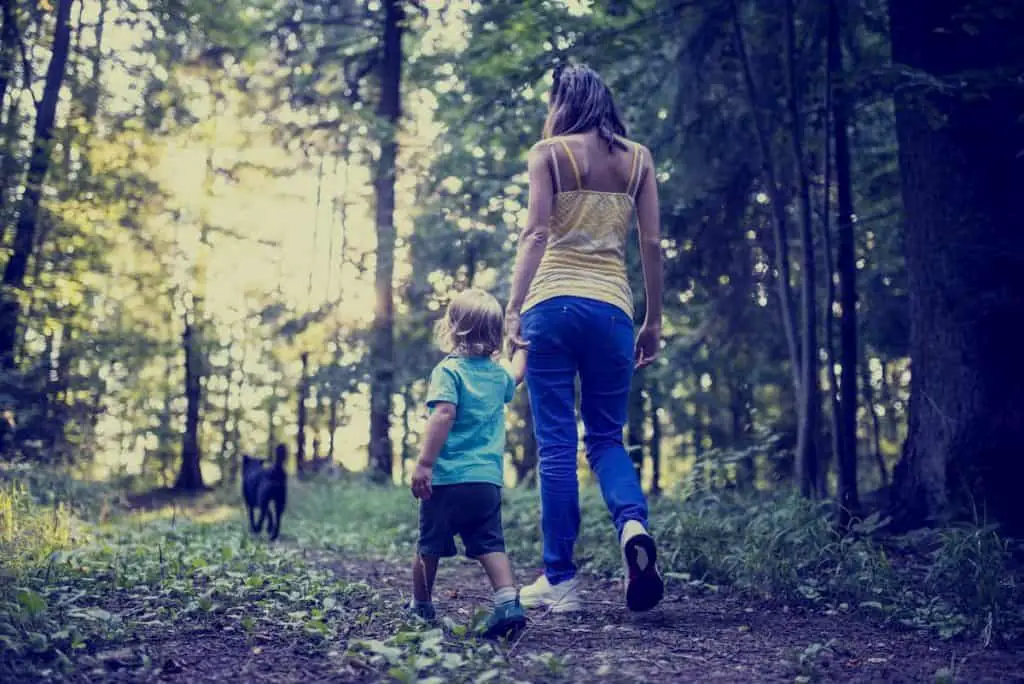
x=276, y=529
x=263, y=516
x=252, y=518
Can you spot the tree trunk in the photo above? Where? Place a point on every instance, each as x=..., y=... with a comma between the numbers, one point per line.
x=807, y=461
x=39, y=164
x=225, y=422
x=190, y=477
x=8, y=47
x=779, y=221
x=846, y=457
x=876, y=430
x=962, y=174
x=382, y=348
x=300, y=431
x=654, y=394
x=635, y=425
x=739, y=400
x=526, y=466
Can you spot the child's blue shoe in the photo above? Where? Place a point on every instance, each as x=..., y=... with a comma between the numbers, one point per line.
x=507, y=620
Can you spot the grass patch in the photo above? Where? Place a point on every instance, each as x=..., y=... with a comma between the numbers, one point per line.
x=69, y=600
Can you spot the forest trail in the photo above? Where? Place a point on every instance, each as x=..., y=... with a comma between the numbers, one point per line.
x=695, y=635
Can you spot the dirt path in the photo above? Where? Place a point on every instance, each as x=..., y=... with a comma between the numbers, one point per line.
x=700, y=636
x=695, y=635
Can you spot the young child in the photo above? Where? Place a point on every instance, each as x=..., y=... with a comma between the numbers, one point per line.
x=459, y=473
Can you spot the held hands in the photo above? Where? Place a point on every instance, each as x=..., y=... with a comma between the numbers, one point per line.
x=513, y=338
x=421, y=481
x=647, y=345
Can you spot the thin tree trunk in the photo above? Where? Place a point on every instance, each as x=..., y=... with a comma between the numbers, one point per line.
x=961, y=191
x=300, y=431
x=190, y=476
x=779, y=222
x=526, y=465
x=225, y=422
x=382, y=348
x=654, y=395
x=8, y=46
x=808, y=464
x=635, y=425
x=876, y=429
x=39, y=165
x=406, y=430
x=830, y=274
x=849, y=501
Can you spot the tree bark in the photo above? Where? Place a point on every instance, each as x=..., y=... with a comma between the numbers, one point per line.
x=962, y=173
x=190, y=476
x=8, y=46
x=39, y=165
x=654, y=394
x=635, y=425
x=300, y=430
x=807, y=463
x=382, y=348
x=846, y=457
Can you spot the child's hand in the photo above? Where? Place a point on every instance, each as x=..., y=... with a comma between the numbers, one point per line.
x=421, y=478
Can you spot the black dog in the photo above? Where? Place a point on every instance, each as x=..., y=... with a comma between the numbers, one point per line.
x=262, y=487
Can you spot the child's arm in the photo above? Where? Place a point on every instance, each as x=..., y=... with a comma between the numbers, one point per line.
x=438, y=426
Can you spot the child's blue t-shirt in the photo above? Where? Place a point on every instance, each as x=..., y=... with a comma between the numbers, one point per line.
x=479, y=387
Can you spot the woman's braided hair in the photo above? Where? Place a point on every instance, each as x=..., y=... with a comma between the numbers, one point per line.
x=579, y=102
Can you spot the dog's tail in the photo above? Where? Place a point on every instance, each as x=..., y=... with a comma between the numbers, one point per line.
x=280, y=454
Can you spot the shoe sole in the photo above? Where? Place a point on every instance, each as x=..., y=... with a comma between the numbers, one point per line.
x=647, y=588
x=508, y=629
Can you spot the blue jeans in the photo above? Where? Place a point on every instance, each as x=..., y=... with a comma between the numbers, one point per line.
x=570, y=336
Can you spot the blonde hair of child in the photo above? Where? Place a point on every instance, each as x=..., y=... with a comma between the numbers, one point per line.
x=473, y=325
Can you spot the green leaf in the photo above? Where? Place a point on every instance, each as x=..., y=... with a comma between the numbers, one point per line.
x=31, y=602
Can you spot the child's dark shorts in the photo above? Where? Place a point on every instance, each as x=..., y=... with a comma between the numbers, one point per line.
x=471, y=510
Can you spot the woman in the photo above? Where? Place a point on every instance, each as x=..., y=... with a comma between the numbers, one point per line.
x=571, y=304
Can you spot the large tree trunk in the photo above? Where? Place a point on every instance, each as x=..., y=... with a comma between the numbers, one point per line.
x=382, y=347
x=807, y=459
x=846, y=456
x=39, y=164
x=962, y=170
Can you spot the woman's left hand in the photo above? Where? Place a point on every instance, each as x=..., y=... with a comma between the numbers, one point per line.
x=512, y=332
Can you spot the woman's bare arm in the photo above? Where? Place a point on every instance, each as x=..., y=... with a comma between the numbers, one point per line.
x=649, y=221
x=533, y=241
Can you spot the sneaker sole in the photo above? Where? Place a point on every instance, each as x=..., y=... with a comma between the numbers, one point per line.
x=507, y=629
x=647, y=588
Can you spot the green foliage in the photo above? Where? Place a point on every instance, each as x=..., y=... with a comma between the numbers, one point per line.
x=70, y=593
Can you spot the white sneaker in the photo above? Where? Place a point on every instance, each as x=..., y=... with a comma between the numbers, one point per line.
x=563, y=597
x=644, y=586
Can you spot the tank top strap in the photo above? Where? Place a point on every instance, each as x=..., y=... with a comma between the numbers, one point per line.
x=634, y=172
x=554, y=169
x=572, y=162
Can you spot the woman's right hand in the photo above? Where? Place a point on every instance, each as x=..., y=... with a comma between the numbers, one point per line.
x=513, y=339
x=648, y=343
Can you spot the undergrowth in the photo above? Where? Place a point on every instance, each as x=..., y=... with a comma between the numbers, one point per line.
x=955, y=581
x=77, y=595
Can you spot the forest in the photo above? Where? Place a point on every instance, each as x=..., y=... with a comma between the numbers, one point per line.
x=226, y=226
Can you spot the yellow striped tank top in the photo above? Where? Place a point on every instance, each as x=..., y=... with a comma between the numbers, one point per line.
x=586, y=250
